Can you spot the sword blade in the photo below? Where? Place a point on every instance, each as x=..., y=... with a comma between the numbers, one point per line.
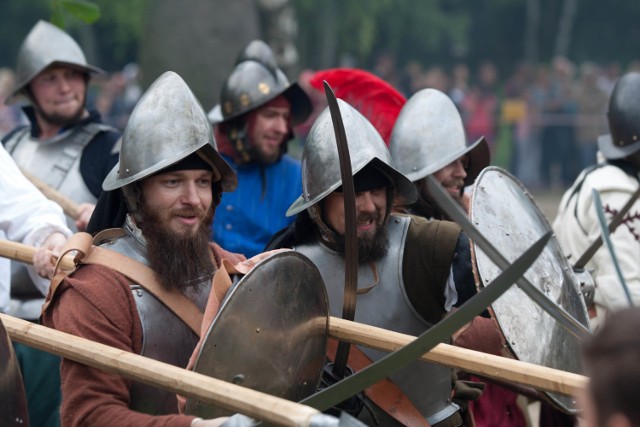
x=351, y=236
x=607, y=239
x=615, y=222
x=455, y=212
x=438, y=333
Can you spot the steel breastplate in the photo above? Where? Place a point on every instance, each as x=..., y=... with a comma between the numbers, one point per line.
x=56, y=162
x=165, y=337
x=386, y=305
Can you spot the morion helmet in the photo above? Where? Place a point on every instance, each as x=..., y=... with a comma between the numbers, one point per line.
x=321, y=165
x=624, y=119
x=429, y=135
x=44, y=46
x=256, y=80
x=167, y=125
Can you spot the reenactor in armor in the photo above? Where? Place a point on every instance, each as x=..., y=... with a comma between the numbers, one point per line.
x=170, y=178
x=70, y=149
x=411, y=271
x=253, y=123
x=615, y=177
x=428, y=138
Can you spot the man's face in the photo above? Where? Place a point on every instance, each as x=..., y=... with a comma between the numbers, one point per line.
x=179, y=199
x=59, y=94
x=453, y=175
x=268, y=129
x=177, y=213
x=371, y=207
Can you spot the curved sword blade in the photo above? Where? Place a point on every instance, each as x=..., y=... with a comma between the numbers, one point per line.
x=351, y=233
x=607, y=239
x=438, y=333
x=455, y=212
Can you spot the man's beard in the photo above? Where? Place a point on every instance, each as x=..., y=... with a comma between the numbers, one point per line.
x=369, y=249
x=181, y=261
x=60, y=120
x=267, y=158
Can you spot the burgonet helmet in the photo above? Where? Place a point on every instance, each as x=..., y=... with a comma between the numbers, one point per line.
x=166, y=126
x=321, y=165
x=429, y=134
x=44, y=46
x=624, y=119
x=256, y=80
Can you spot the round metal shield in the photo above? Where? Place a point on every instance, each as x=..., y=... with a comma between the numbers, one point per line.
x=13, y=404
x=504, y=212
x=270, y=333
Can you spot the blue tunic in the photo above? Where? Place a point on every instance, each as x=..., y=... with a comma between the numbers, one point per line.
x=245, y=220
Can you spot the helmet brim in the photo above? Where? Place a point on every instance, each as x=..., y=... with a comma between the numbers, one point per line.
x=610, y=151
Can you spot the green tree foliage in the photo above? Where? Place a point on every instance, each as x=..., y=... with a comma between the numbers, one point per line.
x=108, y=30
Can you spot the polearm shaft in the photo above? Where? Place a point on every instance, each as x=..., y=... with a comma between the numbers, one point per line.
x=24, y=253
x=168, y=377
x=483, y=364
x=69, y=207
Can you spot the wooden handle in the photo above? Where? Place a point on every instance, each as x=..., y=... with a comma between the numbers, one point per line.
x=225, y=395
x=24, y=253
x=483, y=364
x=69, y=207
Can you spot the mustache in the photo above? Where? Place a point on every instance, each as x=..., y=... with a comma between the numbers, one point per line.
x=375, y=217
x=189, y=211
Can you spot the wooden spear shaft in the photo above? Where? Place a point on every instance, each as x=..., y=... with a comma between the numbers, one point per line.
x=168, y=377
x=24, y=253
x=69, y=207
x=483, y=364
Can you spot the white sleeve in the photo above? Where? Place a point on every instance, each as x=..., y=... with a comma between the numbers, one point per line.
x=26, y=215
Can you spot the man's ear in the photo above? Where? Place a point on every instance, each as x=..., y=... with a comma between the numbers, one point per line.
x=618, y=420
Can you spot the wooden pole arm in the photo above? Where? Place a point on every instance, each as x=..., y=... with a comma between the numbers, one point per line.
x=24, y=253
x=69, y=207
x=168, y=377
x=483, y=364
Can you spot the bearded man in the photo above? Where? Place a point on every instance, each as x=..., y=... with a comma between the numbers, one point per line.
x=411, y=271
x=253, y=125
x=169, y=179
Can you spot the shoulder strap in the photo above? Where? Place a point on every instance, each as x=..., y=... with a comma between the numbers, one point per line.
x=137, y=272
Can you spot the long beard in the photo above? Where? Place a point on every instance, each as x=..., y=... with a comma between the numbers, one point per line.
x=180, y=261
x=369, y=249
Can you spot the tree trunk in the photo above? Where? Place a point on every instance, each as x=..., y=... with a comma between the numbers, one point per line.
x=199, y=40
x=565, y=26
x=531, y=32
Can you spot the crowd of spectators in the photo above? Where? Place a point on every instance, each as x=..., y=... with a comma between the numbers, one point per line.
x=541, y=122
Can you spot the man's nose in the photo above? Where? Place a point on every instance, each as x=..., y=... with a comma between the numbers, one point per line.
x=364, y=202
x=459, y=169
x=190, y=194
x=282, y=125
x=64, y=84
